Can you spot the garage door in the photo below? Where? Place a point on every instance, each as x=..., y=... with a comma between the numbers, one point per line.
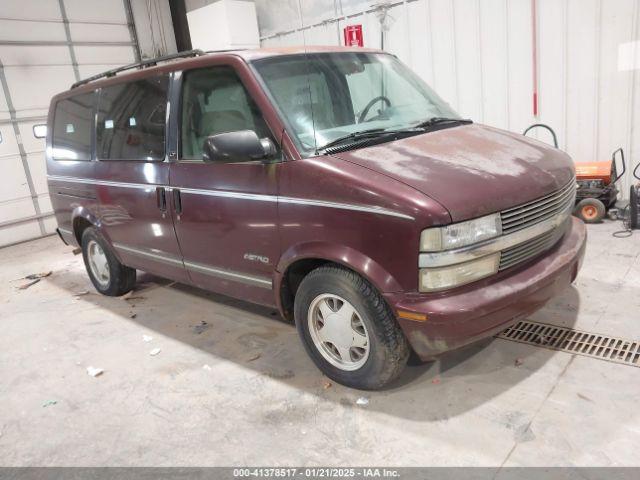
x=45, y=46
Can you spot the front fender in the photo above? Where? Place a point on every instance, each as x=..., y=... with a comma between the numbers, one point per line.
x=340, y=254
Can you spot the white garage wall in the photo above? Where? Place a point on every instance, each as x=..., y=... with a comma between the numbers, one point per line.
x=45, y=46
x=478, y=55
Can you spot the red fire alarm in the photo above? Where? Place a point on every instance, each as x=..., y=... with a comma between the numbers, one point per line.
x=353, y=36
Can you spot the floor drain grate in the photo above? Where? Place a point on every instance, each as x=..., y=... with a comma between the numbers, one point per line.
x=611, y=349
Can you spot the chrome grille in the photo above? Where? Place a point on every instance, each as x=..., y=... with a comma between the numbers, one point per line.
x=536, y=211
x=529, y=249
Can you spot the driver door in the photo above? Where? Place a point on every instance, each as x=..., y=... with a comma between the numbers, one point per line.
x=225, y=214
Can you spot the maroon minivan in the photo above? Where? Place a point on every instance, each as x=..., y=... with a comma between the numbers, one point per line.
x=331, y=183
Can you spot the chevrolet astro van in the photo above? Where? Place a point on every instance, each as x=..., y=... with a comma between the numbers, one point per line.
x=330, y=183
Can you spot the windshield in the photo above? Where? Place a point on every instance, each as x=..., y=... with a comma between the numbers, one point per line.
x=325, y=96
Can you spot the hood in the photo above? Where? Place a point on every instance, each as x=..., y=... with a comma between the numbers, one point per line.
x=472, y=170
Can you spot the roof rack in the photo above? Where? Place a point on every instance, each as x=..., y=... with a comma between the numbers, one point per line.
x=144, y=64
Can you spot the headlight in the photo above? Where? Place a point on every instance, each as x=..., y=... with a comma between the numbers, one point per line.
x=460, y=234
x=433, y=279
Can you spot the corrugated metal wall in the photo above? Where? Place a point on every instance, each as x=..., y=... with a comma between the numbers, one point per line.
x=45, y=46
x=478, y=55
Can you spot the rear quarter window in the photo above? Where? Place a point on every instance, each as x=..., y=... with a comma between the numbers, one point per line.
x=131, y=120
x=72, y=128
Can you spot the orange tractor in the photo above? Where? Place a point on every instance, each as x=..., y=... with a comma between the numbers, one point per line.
x=597, y=191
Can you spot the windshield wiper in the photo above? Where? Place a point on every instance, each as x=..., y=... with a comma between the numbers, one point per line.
x=370, y=133
x=379, y=132
x=439, y=120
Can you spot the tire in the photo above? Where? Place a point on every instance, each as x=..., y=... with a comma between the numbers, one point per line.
x=386, y=346
x=118, y=279
x=590, y=210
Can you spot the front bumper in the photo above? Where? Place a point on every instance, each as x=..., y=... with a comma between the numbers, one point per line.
x=487, y=307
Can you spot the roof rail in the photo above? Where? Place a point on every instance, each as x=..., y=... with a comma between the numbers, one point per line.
x=143, y=64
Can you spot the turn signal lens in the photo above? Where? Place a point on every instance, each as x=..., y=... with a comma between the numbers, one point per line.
x=434, y=279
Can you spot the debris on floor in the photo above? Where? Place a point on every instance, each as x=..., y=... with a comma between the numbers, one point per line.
x=327, y=385
x=35, y=276
x=362, y=401
x=253, y=357
x=94, y=371
x=519, y=361
x=436, y=380
x=147, y=338
x=49, y=403
x=154, y=352
x=76, y=251
x=24, y=286
x=132, y=315
x=280, y=375
x=201, y=327
x=132, y=295
x=206, y=367
x=81, y=293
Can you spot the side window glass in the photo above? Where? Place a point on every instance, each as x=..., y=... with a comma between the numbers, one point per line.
x=72, y=128
x=131, y=120
x=214, y=100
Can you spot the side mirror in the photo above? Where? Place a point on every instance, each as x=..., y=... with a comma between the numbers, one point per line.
x=239, y=146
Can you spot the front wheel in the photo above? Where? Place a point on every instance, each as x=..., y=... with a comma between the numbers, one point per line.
x=108, y=275
x=348, y=329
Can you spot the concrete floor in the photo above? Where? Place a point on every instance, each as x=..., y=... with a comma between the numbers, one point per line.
x=239, y=390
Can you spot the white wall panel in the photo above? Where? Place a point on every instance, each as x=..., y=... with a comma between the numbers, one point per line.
x=325, y=34
x=9, y=145
x=478, y=55
x=520, y=65
x=16, y=208
x=104, y=55
x=101, y=11
x=551, y=66
x=468, y=64
x=398, y=33
x=493, y=33
x=87, y=71
x=582, y=67
x=14, y=181
x=31, y=9
x=38, y=169
x=12, y=55
x=445, y=79
x=50, y=80
x=613, y=84
x=18, y=233
x=31, y=31
x=30, y=143
x=91, y=32
x=420, y=39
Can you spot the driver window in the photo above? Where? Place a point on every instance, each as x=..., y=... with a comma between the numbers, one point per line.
x=214, y=100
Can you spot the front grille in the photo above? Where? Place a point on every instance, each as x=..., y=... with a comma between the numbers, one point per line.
x=529, y=249
x=528, y=214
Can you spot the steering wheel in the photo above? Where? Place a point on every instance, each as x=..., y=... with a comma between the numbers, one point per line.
x=365, y=112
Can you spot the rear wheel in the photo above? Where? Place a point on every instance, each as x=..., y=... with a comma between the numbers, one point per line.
x=590, y=210
x=348, y=329
x=108, y=275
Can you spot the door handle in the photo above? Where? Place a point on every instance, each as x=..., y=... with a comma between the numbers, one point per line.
x=161, y=199
x=177, y=201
